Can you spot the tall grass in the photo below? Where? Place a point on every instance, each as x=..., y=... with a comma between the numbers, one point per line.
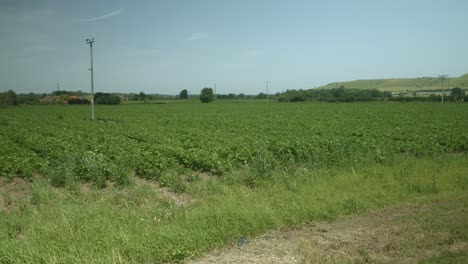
x=140, y=225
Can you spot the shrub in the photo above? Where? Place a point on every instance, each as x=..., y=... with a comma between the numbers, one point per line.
x=105, y=98
x=78, y=101
x=9, y=98
x=206, y=95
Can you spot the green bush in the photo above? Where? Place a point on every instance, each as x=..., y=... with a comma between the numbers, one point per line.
x=9, y=98
x=78, y=101
x=206, y=95
x=105, y=98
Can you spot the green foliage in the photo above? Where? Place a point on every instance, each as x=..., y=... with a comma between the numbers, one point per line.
x=70, y=93
x=9, y=98
x=3, y=121
x=261, y=96
x=141, y=96
x=30, y=98
x=151, y=140
x=183, y=94
x=333, y=95
x=250, y=167
x=140, y=225
x=457, y=93
x=78, y=101
x=105, y=98
x=448, y=257
x=206, y=95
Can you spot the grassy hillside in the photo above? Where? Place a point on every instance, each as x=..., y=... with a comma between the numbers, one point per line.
x=414, y=84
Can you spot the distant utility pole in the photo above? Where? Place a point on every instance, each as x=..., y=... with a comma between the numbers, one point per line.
x=215, y=90
x=442, y=77
x=267, y=82
x=90, y=42
x=58, y=87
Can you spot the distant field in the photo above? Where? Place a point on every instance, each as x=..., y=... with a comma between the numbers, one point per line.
x=157, y=183
x=402, y=85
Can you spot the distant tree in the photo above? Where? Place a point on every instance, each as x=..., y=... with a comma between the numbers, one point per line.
x=297, y=98
x=183, y=94
x=78, y=101
x=206, y=95
x=29, y=98
x=387, y=94
x=457, y=93
x=375, y=93
x=338, y=92
x=64, y=97
x=141, y=96
x=9, y=98
x=106, y=98
x=434, y=98
x=133, y=97
x=261, y=96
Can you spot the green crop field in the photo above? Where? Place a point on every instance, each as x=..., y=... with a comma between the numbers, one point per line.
x=152, y=183
x=151, y=140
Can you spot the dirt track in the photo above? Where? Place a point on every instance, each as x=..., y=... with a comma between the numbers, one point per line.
x=406, y=234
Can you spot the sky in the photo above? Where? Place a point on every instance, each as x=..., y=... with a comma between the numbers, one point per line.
x=164, y=46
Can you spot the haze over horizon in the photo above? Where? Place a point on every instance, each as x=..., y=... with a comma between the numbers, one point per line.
x=166, y=46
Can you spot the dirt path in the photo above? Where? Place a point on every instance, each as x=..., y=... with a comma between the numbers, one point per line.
x=13, y=192
x=407, y=234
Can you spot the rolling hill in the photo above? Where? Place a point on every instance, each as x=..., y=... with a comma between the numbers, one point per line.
x=397, y=85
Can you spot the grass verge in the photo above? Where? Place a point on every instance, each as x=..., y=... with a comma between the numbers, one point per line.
x=140, y=225
x=430, y=229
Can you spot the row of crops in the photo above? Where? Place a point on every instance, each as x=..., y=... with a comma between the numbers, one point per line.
x=61, y=142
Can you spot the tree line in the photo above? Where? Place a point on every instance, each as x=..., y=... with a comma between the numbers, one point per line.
x=360, y=95
x=57, y=97
x=207, y=96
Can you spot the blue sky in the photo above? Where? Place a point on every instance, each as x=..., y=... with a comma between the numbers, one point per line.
x=166, y=46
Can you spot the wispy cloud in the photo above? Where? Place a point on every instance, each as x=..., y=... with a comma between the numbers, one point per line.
x=141, y=52
x=252, y=53
x=111, y=14
x=196, y=36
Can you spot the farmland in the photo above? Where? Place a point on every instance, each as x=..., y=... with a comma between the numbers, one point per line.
x=167, y=182
x=151, y=140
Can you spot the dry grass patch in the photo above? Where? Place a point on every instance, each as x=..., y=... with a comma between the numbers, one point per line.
x=13, y=192
x=407, y=234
